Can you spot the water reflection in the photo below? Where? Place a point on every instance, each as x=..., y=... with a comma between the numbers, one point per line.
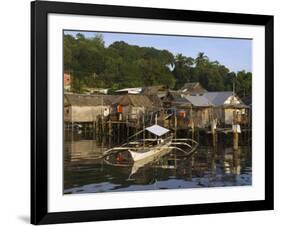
x=206, y=167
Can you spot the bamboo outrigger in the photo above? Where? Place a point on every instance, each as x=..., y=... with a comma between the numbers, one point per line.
x=148, y=148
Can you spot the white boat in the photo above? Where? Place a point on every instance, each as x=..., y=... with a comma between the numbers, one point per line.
x=134, y=167
x=143, y=149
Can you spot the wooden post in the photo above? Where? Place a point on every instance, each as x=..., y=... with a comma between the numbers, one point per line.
x=118, y=132
x=192, y=130
x=102, y=126
x=93, y=130
x=214, y=139
x=236, y=131
x=214, y=134
x=127, y=127
x=235, y=140
x=109, y=132
x=236, y=162
x=136, y=129
x=176, y=124
x=192, y=123
x=213, y=163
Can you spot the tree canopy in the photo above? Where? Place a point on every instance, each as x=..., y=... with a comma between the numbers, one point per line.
x=122, y=65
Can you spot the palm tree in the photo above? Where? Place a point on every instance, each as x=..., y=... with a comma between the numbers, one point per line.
x=182, y=61
x=201, y=59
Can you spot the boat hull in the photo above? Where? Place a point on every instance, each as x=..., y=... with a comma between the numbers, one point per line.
x=137, y=156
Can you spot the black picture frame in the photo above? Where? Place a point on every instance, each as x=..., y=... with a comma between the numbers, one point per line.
x=39, y=112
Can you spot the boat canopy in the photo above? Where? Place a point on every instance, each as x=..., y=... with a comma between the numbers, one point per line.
x=157, y=130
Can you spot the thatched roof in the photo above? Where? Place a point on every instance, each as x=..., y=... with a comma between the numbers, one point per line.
x=134, y=100
x=175, y=98
x=88, y=100
x=155, y=100
x=151, y=90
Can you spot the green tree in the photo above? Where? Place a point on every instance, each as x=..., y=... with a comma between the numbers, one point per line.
x=183, y=69
x=201, y=59
x=121, y=65
x=243, y=84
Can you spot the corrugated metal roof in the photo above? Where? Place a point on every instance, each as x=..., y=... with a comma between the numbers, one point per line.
x=134, y=90
x=218, y=98
x=201, y=100
x=198, y=101
x=157, y=130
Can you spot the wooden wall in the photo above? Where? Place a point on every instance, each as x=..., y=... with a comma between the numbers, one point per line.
x=83, y=113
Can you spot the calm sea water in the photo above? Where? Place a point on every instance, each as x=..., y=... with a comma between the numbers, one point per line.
x=207, y=167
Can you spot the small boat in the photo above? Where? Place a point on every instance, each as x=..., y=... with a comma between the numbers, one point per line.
x=147, y=148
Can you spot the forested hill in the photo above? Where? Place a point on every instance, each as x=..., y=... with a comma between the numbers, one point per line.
x=121, y=65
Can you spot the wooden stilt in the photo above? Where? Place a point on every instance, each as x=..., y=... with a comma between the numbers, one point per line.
x=118, y=133
x=236, y=130
x=109, y=132
x=235, y=140
x=214, y=133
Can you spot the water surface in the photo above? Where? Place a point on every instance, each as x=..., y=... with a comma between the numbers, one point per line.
x=221, y=166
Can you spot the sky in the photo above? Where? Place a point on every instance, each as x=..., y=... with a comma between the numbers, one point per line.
x=235, y=54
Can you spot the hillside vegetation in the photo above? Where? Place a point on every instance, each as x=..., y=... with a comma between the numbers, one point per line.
x=121, y=65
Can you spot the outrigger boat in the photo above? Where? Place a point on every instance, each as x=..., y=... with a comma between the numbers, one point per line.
x=144, y=150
